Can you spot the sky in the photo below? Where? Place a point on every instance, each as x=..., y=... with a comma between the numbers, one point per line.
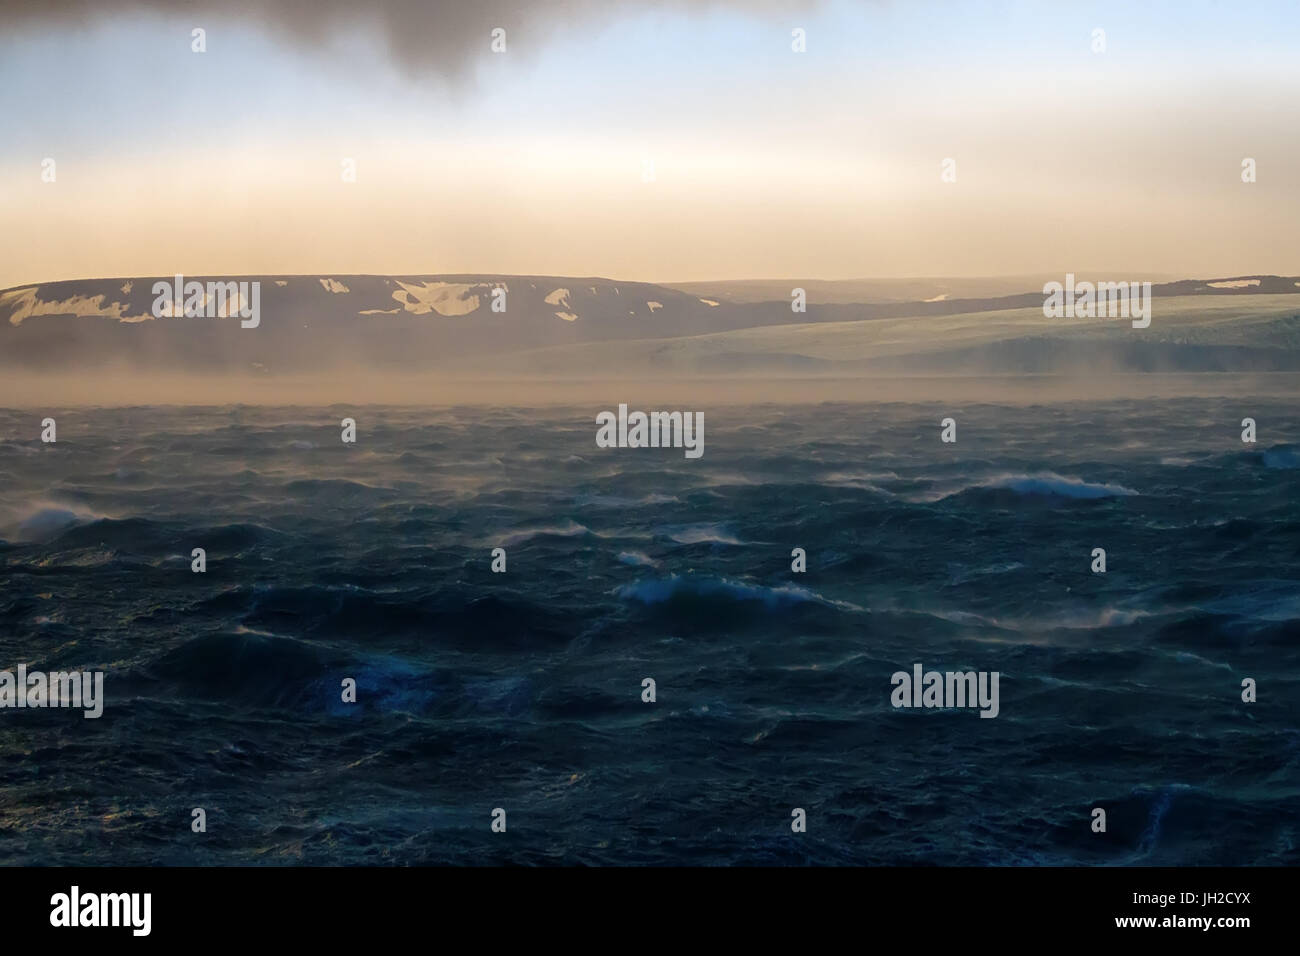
x=658, y=140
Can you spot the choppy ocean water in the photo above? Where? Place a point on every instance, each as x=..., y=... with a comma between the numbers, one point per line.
x=523, y=690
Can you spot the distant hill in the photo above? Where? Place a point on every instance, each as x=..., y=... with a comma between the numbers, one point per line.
x=596, y=325
x=848, y=291
x=1188, y=334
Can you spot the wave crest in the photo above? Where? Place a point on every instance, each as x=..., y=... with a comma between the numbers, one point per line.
x=691, y=587
x=1047, y=484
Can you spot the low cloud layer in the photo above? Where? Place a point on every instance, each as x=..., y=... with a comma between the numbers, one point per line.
x=423, y=36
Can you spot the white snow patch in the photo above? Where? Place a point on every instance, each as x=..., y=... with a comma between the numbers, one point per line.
x=29, y=304
x=654, y=306
x=334, y=285
x=1234, y=283
x=709, y=302
x=566, y=316
x=445, y=298
x=558, y=297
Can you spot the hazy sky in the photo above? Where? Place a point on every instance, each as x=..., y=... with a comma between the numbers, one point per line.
x=767, y=162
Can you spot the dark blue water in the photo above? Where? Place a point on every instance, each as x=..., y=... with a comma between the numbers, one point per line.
x=523, y=690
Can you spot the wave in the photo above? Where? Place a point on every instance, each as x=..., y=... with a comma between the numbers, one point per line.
x=1085, y=619
x=860, y=480
x=1282, y=456
x=251, y=667
x=637, y=559
x=963, y=575
x=702, y=534
x=1269, y=602
x=449, y=617
x=570, y=529
x=1158, y=803
x=41, y=520
x=676, y=587
x=308, y=489
x=1046, y=484
x=621, y=501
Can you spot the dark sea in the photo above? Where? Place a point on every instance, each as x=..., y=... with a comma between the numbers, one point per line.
x=523, y=690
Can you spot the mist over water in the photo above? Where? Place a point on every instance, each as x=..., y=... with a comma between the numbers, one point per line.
x=592, y=389
x=522, y=690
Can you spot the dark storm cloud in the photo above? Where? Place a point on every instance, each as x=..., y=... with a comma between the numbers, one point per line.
x=439, y=36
